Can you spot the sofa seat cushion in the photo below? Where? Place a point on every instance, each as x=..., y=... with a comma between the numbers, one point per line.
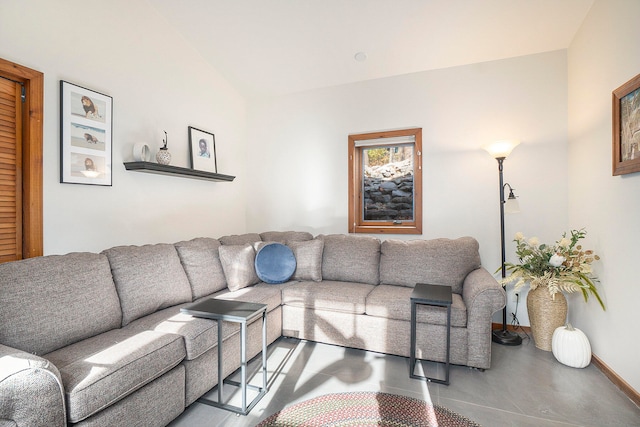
x=200, y=335
x=101, y=370
x=394, y=302
x=437, y=261
x=262, y=293
x=346, y=297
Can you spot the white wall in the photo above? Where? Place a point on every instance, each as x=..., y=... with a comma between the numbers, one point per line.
x=297, y=150
x=158, y=82
x=603, y=56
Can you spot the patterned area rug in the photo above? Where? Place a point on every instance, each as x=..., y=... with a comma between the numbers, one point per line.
x=364, y=409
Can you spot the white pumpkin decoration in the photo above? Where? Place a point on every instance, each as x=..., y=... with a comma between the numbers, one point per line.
x=571, y=346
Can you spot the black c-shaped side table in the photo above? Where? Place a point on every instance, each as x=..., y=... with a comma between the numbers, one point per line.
x=242, y=313
x=434, y=295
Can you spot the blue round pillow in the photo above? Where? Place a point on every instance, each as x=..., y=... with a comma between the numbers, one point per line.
x=275, y=263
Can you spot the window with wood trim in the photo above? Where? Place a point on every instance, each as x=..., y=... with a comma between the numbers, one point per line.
x=21, y=106
x=385, y=182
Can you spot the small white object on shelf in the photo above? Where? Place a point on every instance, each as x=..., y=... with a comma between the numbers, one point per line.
x=141, y=152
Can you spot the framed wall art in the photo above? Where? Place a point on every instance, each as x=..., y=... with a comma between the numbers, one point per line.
x=202, y=147
x=85, y=136
x=626, y=127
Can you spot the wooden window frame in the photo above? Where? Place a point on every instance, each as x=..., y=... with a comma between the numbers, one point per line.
x=32, y=134
x=356, y=221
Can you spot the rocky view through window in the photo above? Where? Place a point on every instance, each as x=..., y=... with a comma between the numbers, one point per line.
x=388, y=193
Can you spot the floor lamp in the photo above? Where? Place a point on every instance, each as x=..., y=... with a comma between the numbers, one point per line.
x=500, y=150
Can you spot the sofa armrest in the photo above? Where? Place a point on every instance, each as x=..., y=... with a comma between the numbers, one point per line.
x=31, y=391
x=483, y=296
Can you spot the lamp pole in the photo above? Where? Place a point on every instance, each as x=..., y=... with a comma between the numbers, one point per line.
x=503, y=336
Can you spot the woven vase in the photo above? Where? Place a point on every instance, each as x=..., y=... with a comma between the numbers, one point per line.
x=546, y=313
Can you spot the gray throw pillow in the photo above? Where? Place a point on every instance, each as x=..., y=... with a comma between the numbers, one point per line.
x=309, y=259
x=238, y=264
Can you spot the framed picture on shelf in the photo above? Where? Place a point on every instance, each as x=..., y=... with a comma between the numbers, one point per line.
x=626, y=127
x=202, y=148
x=85, y=136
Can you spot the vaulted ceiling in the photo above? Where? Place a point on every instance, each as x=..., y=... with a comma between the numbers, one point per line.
x=274, y=47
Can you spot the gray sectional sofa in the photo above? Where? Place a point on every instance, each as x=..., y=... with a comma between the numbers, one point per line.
x=98, y=339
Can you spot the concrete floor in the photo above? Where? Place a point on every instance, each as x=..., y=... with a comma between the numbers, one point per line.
x=524, y=387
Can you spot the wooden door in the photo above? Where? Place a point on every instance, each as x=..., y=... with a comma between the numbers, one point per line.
x=21, y=110
x=10, y=170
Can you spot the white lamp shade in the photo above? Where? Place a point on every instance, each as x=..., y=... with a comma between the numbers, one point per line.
x=501, y=149
x=511, y=206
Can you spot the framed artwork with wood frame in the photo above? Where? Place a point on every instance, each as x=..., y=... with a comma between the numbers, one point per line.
x=385, y=182
x=626, y=127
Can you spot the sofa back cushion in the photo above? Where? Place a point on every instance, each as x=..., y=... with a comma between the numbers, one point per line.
x=147, y=278
x=201, y=262
x=286, y=237
x=308, y=259
x=436, y=261
x=240, y=239
x=349, y=258
x=53, y=301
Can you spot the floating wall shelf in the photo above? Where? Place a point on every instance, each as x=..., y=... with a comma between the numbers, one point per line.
x=150, y=167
